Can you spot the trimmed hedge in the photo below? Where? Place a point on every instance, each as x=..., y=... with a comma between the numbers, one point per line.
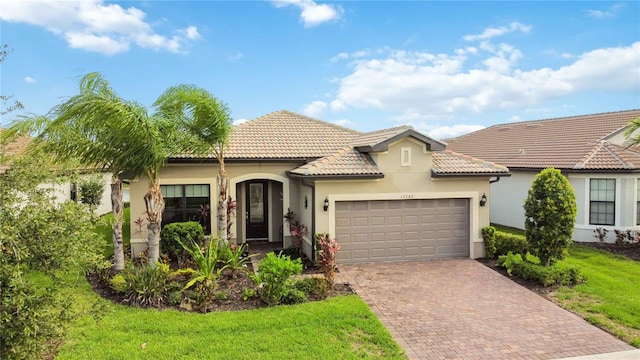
x=188, y=232
x=549, y=275
x=498, y=243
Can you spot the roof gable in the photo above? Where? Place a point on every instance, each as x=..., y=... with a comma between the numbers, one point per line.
x=381, y=139
x=562, y=143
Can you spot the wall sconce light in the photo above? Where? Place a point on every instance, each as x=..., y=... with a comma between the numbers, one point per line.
x=326, y=204
x=483, y=199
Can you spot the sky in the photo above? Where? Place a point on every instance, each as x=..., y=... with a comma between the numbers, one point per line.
x=446, y=68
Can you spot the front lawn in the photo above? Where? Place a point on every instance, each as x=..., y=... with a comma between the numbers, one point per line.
x=338, y=328
x=610, y=298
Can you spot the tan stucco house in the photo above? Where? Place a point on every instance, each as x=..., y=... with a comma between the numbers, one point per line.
x=590, y=150
x=392, y=194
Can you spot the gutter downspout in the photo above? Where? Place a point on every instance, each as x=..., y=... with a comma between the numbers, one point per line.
x=313, y=220
x=494, y=181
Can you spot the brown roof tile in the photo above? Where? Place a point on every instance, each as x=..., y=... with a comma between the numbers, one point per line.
x=346, y=161
x=447, y=162
x=606, y=155
x=15, y=147
x=563, y=143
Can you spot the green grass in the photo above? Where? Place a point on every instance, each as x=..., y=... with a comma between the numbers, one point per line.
x=610, y=298
x=338, y=328
x=105, y=231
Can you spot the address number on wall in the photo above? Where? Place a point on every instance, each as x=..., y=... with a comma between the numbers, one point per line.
x=406, y=196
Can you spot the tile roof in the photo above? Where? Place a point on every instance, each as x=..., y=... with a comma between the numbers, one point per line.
x=14, y=147
x=330, y=150
x=447, y=162
x=564, y=143
x=346, y=162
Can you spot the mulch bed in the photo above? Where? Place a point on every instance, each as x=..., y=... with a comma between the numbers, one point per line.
x=231, y=284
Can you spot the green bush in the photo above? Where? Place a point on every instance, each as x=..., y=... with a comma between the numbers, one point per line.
x=143, y=285
x=489, y=236
x=510, y=261
x=550, y=275
x=189, y=232
x=91, y=190
x=294, y=296
x=275, y=273
x=550, y=216
x=506, y=242
x=312, y=285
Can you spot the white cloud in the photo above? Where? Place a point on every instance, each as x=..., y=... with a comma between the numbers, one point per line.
x=440, y=132
x=239, y=121
x=609, y=13
x=94, y=26
x=235, y=57
x=567, y=56
x=489, y=33
x=29, y=80
x=315, y=108
x=343, y=122
x=443, y=84
x=312, y=13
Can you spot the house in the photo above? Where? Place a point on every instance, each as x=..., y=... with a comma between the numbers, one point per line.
x=590, y=150
x=63, y=190
x=392, y=194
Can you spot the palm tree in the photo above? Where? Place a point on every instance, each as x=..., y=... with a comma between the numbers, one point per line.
x=105, y=132
x=632, y=127
x=207, y=124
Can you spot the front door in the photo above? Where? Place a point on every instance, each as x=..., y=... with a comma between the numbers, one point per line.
x=256, y=216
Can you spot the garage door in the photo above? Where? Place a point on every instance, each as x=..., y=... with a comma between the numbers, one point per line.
x=391, y=230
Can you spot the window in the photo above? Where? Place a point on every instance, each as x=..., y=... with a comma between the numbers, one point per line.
x=405, y=156
x=602, y=202
x=638, y=203
x=187, y=203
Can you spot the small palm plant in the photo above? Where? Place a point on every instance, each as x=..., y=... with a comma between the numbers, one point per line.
x=236, y=258
x=209, y=269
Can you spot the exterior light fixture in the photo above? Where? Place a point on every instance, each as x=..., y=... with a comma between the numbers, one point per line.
x=326, y=204
x=306, y=202
x=483, y=199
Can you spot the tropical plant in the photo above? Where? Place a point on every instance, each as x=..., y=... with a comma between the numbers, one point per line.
x=510, y=261
x=632, y=132
x=236, y=257
x=298, y=231
x=105, y=132
x=550, y=216
x=600, y=234
x=208, y=271
x=274, y=272
x=143, y=285
x=206, y=121
x=328, y=252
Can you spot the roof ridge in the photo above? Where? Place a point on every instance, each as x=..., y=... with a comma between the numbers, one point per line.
x=320, y=121
x=556, y=119
x=615, y=154
x=393, y=128
x=589, y=155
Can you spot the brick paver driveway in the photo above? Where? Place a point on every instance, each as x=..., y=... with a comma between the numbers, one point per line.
x=460, y=309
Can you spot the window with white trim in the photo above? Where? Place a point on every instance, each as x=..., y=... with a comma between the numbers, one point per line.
x=187, y=203
x=602, y=202
x=405, y=156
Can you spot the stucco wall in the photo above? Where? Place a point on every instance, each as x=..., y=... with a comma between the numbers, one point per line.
x=507, y=198
x=62, y=192
x=412, y=182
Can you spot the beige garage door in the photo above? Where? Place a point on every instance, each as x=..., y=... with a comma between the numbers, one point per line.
x=391, y=230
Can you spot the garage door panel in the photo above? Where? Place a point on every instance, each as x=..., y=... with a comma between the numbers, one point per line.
x=402, y=229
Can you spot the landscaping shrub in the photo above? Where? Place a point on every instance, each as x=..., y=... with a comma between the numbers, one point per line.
x=294, y=296
x=506, y=242
x=312, y=285
x=171, y=235
x=550, y=216
x=235, y=256
x=91, y=191
x=274, y=272
x=143, y=285
x=510, y=261
x=549, y=275
x=209, y=266
x=327, y=256
x=489, y=236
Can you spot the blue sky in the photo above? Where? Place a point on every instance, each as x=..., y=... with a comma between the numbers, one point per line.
x=444, y=67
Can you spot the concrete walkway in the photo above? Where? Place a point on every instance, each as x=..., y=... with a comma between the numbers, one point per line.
x=460, y=309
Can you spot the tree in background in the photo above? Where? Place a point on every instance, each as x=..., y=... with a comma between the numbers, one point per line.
x=207, y=124
x=550, y=216
x=91, y=190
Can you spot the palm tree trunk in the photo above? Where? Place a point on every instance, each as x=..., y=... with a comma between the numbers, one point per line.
x=117, y=209
x=154, y=203
x=223, y=184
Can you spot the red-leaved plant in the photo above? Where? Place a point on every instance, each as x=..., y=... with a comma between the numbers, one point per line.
x=328, y=247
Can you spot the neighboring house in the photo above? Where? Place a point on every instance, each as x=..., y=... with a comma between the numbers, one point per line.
x=393, y=194
x=64, y=190
x=590, y=150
